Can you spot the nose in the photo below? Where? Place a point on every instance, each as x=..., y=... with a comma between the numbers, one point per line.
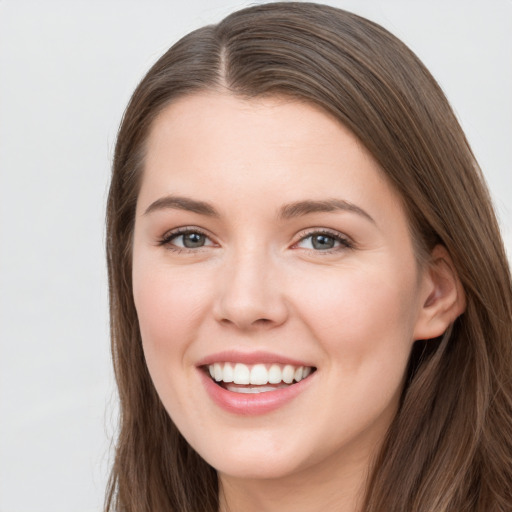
x=250, y=293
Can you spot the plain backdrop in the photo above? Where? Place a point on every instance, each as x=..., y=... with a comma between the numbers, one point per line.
x=67, y=69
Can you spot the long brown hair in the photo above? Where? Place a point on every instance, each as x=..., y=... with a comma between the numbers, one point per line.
x=450, y=445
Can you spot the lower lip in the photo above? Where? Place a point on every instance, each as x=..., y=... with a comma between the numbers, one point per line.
x=249, y=404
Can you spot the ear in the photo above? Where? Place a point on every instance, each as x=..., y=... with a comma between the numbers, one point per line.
x=442, y=296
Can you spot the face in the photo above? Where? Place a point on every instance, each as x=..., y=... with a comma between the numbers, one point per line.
x=275, y=282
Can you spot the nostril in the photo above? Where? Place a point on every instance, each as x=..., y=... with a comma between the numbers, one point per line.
x=262, y=321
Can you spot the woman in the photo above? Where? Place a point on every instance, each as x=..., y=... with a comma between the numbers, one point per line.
x=310, y=300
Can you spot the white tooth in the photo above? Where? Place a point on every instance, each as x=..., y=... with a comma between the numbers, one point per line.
x=241, y=375
x=259, y=389
x=298, y=374
x=228, y=373
x=306, y=372
x=217, y=371
x=244, y=390
x=288, y=373
x=275, y=375
x=259, y=375
x=211, y=370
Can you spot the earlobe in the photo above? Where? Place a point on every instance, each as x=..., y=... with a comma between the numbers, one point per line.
x=443, y=298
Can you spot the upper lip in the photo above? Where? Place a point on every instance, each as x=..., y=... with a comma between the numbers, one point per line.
x=234, y=356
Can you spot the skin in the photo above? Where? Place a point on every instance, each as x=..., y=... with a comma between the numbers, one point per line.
x=258, y=283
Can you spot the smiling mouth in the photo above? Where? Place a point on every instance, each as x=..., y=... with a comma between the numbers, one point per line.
x=257, y=378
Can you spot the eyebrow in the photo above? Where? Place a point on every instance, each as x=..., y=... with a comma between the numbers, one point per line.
x=182, y=203
x=301, y=208
x=289, y=211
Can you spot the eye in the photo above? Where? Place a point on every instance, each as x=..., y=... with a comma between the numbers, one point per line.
x=323, y=241
x=190, y=240
x=186, y=238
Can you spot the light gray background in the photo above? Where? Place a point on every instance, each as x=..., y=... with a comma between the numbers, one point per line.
x=66, y=72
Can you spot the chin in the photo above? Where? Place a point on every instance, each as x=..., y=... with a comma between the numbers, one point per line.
x=258, y=458
x=257, y=468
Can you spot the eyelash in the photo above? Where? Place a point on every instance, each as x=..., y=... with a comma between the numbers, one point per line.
x=344, y=242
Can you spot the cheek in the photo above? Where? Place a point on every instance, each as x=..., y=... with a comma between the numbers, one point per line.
x=362, y=314
x=363, y=322
x=169, y=307
x=169, y=303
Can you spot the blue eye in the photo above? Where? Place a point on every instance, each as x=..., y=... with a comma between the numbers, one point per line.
x=186, y=239
x=190, y=240
x=321, y=241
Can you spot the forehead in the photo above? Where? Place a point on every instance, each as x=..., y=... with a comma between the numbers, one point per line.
x=216, y=144
x=211, y=126
x=224, y=123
